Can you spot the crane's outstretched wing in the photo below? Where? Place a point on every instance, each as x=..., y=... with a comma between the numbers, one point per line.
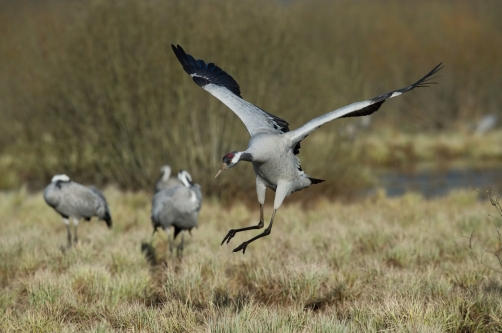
x=357, y=109
x=222, y=86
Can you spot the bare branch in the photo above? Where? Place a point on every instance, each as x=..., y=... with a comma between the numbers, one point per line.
x=480, y=260
x=495, y=201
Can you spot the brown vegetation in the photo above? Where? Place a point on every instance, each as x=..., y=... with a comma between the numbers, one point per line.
x=91, y=87
x=381, y=264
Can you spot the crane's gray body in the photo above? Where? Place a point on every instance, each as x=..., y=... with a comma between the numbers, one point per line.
x=274, y=162
x=166, y=184
x=74, y=200
x=177, y=207
x=273, y=147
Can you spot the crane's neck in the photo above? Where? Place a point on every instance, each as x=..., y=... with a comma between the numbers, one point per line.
x=166, y=174
x=240, y=156
x=185, y=178
x=245, y=156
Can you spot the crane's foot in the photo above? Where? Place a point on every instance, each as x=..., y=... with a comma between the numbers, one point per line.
x=242, y=247
x=229, y=236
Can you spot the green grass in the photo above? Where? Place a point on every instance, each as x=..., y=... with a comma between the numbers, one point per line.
x=376, y=264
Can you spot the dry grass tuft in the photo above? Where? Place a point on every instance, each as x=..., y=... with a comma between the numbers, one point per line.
x=377, y=264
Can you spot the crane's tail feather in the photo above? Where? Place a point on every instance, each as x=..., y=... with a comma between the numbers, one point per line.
x=108, y=220
x=177, y=230
x=315, y=180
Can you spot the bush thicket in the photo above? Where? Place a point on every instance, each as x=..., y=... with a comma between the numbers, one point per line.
x=91, y=88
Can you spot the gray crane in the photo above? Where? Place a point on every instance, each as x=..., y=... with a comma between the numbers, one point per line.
x=76, y=201
x=272, y=148
x=166, y=181
x=177, y=207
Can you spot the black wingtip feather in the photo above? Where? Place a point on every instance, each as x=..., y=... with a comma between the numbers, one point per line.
x=422, y=83
x=204, y=74
x=366, y=111
x=379, y=100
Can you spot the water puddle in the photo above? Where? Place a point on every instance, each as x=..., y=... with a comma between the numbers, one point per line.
x=433, y=183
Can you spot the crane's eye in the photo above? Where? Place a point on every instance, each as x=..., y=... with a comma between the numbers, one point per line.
x=228, y=157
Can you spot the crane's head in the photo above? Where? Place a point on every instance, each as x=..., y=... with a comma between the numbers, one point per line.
x=185, y=178
x=60, y=178
x=229, y=161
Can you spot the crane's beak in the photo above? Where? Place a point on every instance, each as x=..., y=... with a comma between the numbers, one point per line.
x=223, y=168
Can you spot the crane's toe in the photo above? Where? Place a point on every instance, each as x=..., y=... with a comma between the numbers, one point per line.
x=229, y=236
x=242, y=247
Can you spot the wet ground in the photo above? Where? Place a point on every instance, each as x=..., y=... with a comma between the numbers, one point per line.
x=433, y=183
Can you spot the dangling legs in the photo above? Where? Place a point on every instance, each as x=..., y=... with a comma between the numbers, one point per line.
x=232, y=232
x=260, y=191
x=280, y=194
x=265, y=232
x=75, y=225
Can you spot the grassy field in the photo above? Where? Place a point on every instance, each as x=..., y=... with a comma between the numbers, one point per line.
x=375, y=264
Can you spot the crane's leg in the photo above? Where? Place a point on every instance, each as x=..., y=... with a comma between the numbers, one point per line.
x=180, y=248
x=260, y=191
x=168, y=231
x=265, y=232
x=280, y=194
x=75, y=225
x=68, y=231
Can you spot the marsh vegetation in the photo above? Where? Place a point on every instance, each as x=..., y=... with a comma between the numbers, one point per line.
x=91, y=88
x=380, y=264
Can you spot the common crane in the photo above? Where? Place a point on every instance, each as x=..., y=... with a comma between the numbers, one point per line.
x=272, y=148
x=76, y=201
x=166, y=181
x=177, y=207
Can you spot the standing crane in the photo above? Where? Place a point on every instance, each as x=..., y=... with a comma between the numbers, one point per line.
x=177, y=207
x=272, y=148
x=71, y=199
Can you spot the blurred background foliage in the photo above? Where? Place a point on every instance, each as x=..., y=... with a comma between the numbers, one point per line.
x=91, y=88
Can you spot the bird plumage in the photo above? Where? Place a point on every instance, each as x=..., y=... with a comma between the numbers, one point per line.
x=221, y=85
x=357, y=109
x=178, y=206
x=73, y=200
x=166, y=181
x=272, y=146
